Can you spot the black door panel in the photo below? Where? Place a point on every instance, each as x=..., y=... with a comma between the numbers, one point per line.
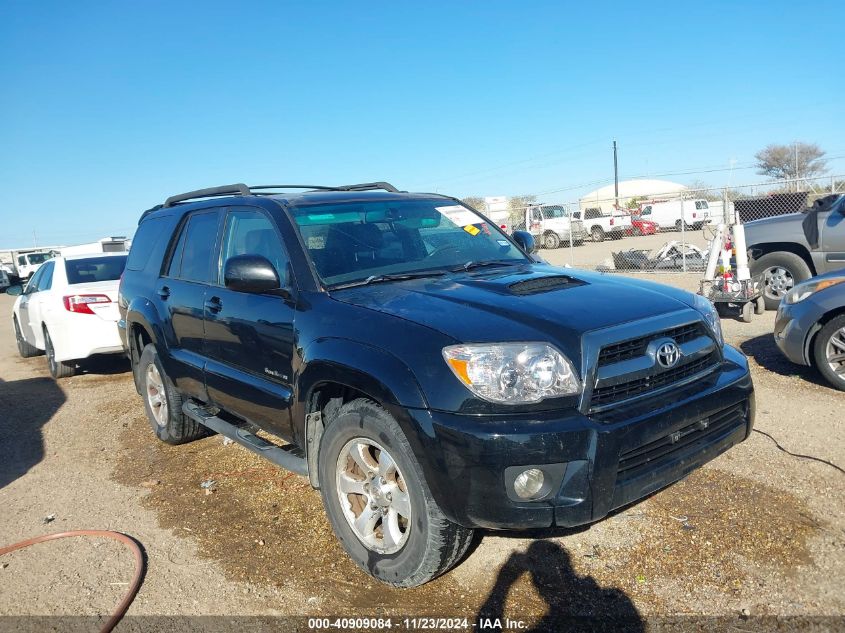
x=249, y=338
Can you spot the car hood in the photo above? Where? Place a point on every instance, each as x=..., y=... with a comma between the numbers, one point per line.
x=519, y=303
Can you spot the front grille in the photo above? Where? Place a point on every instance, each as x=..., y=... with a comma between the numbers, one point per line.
x=603, y=396
x=632, y=348
x=695, y=436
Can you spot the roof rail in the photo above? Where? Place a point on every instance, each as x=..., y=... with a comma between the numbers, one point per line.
x=239, y=189
x=368, y=186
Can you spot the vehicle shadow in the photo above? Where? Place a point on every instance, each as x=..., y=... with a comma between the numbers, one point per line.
x=104, y=365
x=575, y=603
x=25, y=406
x=765, y=353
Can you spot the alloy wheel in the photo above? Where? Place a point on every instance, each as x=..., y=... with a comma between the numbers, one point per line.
x=156, y=396
x=373, y=495
x=835, y=352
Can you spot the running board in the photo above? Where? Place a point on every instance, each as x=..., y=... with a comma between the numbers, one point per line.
x=257, y=445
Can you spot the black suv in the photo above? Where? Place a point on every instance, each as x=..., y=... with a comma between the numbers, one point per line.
x=423, y=369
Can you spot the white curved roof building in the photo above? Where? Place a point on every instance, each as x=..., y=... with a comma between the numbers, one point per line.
x=640, y=188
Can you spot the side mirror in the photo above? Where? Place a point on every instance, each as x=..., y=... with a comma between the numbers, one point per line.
x=250, y=273
x=14, y=291
x=525, y=241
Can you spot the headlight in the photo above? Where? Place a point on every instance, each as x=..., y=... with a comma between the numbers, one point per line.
x=804, y=290
x=513, y=373
x=708, y=311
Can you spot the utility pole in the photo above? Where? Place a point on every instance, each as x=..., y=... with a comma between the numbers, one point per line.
x=615, y=176
x=795, y=149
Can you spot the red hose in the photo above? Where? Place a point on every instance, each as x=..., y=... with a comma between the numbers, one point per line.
x=131, y=543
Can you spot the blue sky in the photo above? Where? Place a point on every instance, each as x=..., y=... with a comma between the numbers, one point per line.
x=109, y=107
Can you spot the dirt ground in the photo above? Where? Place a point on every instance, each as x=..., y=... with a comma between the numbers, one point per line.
x=757, y=532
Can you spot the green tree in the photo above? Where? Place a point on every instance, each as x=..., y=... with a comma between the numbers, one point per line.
x=787, y=162
x=633, y=203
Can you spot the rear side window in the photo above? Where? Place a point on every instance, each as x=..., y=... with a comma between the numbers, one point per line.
x=145, y=240
x=192, y=257
x=93, y=269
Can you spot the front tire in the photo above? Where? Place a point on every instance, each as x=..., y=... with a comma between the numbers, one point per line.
x=378, y=502
x=597, y=233
x=163, y=403
x=58, y=368
x=24, y=349
x=829, y=352
x=781, y=270
x=551, y=240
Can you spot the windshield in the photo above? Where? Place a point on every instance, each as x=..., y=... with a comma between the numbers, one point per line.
x=38, y=258
x=354, y=241
x=552, y=212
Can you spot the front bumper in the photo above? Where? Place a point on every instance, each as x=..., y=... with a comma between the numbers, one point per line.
x=597, y=466
x=795, y=326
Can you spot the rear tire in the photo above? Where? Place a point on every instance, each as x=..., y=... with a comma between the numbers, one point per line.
x=829, y=352
x=597, y=233
x=24, y=349
x=551, y=240
x=163, y=403
x=58, y=368
x=417, y=542
x=781, y=271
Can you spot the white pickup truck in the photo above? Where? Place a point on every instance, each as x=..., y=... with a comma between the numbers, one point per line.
x=551, y=225
x=601, y=225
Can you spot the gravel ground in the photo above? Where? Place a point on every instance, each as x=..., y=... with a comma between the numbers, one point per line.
x=756, y=531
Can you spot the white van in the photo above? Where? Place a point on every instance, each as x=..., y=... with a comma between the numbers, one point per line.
x=677, y=214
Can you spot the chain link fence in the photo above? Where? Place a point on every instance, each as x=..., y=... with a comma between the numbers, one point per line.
x=658, y=233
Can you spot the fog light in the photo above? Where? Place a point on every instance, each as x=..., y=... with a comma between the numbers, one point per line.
x=528, y=483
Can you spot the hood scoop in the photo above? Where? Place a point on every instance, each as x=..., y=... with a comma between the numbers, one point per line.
x=544, y=284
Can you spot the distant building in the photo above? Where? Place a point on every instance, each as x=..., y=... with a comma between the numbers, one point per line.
x=645, y=188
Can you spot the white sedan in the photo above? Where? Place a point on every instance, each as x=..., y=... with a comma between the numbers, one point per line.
x=68, y=310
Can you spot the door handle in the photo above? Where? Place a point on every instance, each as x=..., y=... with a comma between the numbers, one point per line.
x=164, y=292
x=214, y=305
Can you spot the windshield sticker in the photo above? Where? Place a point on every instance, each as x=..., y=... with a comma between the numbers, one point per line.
x=472, y=229
x=461, y=216
x=503, y=242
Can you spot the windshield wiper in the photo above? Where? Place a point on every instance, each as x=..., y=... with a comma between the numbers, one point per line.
x=375, y=279
x=482, y=264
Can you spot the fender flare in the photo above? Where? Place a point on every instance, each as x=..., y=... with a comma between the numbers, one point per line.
x=142, y=313
x=359, y=366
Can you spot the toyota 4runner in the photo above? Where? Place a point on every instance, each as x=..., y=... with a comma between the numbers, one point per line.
x=420, y=367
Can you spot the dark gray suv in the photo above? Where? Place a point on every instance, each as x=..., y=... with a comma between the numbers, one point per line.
x=788, y=249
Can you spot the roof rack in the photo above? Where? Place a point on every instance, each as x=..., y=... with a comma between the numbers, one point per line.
x=240, y=189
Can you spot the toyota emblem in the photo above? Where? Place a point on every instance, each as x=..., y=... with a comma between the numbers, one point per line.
x=668, y=355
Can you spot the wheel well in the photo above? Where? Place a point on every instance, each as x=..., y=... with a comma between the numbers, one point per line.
x=139, y=339
x=827, y=317
x=596, y=226
x=324, y=399
x=334, y=394
x=758, y=250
